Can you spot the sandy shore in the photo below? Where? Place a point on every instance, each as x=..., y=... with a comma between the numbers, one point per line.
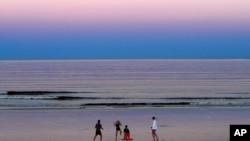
x=174, y=124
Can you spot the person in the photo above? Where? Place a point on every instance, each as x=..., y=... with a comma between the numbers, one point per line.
x=126, y=134
x=117, y=124
x=154, y=128
x=98, y=128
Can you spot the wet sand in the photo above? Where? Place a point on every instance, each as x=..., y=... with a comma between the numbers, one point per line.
x=174, y=124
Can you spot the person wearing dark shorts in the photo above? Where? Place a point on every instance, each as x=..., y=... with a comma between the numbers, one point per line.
x=117, y=124
x=98, y=128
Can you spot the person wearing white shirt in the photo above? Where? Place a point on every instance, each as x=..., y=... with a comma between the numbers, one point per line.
x=154, y=128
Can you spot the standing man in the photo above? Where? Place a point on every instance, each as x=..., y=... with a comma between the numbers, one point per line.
x=154, y=128
x=98, y=128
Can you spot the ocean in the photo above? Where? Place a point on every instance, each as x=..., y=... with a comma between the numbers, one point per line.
x=124, y=83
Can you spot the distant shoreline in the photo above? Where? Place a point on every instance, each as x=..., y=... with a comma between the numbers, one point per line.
x=99, y=59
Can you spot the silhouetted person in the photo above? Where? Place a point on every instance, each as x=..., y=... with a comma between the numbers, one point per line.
x=98, y=128
x=117, y=124
x=126, y=133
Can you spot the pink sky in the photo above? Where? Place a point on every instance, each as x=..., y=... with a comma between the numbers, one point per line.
x=148, y=28
x=125, y=11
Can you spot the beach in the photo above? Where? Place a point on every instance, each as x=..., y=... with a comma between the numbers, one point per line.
x=174, y=124
x=61, y=100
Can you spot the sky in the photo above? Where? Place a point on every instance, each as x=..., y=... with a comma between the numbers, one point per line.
x=79, y=29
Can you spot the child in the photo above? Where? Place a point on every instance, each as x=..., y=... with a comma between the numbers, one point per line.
x=126, y=133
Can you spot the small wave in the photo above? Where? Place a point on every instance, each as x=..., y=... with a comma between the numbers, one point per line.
x=72, y=98
x=3, y=92
x=246, y=93
x=81, y=98
x=136, y=104
x=27, y=98
x=47, y=97
x=171, y=98
x=38, y=92
x=236, y=93
x=42, y=97
x=120, y=98
x=205, y=98
x=214, y=104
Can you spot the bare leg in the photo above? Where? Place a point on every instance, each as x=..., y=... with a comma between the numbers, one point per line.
x=100, y=137
x=155, y=137
x=116, y=135
x=94, y=138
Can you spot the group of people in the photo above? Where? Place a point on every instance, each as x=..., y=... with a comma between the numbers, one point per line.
x=126, y=136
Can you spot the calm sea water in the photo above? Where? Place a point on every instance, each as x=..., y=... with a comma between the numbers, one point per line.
x=124, y=83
